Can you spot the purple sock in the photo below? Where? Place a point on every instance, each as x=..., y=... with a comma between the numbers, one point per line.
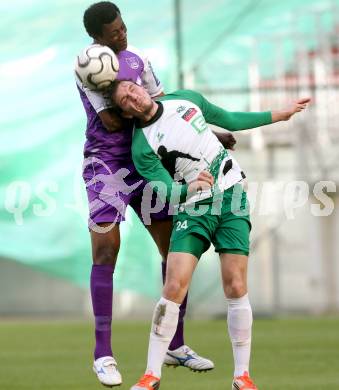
x=102, y=298
x=178, y=339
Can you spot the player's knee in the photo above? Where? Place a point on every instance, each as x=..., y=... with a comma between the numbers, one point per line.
x=235, y=287
x=174, y=290
x=105, y=254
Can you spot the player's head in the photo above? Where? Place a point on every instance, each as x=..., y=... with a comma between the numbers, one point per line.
x=104, y=24
x=133, y=99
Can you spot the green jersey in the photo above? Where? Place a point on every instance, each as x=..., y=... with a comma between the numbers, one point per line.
x=177, y=144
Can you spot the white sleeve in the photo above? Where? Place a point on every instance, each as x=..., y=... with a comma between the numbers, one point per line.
x=148, y=78
x=99, y=100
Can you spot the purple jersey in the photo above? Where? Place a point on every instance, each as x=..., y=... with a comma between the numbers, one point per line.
x=112, y=182
x=109, y=147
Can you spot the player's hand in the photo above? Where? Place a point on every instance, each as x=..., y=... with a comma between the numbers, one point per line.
x=226, y=139
x=204, y=181
x=289, y=111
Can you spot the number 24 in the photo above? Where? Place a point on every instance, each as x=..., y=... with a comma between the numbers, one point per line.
x=181, y=225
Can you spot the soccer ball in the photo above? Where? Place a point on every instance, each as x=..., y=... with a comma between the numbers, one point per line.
x=96, y=67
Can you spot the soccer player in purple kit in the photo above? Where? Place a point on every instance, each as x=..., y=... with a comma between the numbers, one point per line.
x=112, y=183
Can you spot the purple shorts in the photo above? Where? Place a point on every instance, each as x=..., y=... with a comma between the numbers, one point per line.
x=112, y=186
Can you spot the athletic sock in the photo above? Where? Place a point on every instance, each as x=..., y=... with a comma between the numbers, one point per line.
x=178, y=338
x=239, y=319
x=102, y=299
x=164, y=323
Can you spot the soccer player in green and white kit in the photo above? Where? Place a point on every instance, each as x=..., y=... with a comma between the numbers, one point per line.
x=175, y=150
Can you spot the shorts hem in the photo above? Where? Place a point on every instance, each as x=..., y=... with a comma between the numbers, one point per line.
x=94, y=223
x=191, y=252
x=233, y=251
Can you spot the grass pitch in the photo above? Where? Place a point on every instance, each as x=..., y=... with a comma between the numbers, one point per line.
x=287, y=354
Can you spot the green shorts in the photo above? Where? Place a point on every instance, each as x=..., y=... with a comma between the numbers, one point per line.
x=223, y=221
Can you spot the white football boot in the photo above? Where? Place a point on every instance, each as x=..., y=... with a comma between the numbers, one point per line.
x=107, y=372
x=186, y=357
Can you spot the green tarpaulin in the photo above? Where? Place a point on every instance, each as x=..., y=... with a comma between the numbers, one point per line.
x=43, y=207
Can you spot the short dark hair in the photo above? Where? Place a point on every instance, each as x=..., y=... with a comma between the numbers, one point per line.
x=114, y=86
x=99, y=14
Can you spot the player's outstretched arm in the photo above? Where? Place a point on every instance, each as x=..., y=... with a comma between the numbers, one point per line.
x=227, y=139
x=290, y=110
x=235, y=121
x=232, y=121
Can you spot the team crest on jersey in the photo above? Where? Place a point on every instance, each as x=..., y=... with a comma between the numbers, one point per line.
x=133, y=62
x=189, y=114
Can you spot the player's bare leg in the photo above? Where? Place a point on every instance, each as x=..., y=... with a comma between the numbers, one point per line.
x=105, y=248
x=178, y=353
x=180, y=267
x=239, y=317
